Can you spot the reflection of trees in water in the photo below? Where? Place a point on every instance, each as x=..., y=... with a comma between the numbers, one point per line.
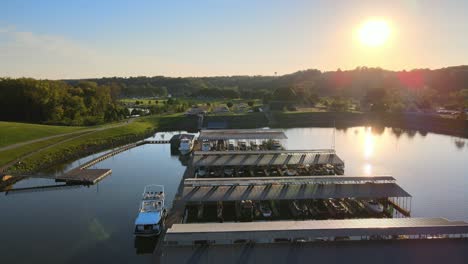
x=460, y=143
x=398, y=132
x=344, y=129
x=378, y=130
x=423, y=133
x=410, y=133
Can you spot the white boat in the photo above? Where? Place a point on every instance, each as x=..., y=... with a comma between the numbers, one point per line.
x=291, y=172
x=276, y=145
x=374, y=206
x=231, y=145
x=186, y=145
x=206, y=146
x=152, y=213
x=265, y=209
x=201, y=172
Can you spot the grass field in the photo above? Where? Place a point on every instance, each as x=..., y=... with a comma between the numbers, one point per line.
x=12, y=133
x=94, y=142
x=10, y=155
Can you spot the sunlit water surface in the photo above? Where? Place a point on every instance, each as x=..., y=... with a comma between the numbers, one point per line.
x=95, y=224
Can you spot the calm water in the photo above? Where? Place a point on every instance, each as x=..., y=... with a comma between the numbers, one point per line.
x=95, y=224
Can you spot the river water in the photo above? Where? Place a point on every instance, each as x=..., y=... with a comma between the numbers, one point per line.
x=95, y=224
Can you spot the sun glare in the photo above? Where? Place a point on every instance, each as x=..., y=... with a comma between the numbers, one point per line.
x=374, y=33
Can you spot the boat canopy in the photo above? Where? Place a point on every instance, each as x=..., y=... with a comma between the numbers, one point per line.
x=148, y=218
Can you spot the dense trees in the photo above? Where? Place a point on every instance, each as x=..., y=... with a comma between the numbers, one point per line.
x=56, y=102
x=416, y=89
x=93, y=101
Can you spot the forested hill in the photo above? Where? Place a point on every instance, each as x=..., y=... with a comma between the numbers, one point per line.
x=56, y=102
x=354, y=83
x=94, y=101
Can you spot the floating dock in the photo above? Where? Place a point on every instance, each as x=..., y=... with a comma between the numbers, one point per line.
x=367, y=241
x=315, y=231
x=84, y=176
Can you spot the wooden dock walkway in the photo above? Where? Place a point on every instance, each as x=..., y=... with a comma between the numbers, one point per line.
x=83, y=174
x=176, y=213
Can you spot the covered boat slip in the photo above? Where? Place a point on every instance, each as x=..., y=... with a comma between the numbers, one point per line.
x=280, y=191
x=266, y=158
x=315, y=230
x=210, y=182
x=453, y=251
x=241, y=134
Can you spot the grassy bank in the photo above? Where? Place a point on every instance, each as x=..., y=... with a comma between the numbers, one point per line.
x=12, y=133
x=250, y=120
x=8, y=156
x=100, y=140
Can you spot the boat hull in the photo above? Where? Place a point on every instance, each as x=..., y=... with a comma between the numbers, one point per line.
x=147, y=234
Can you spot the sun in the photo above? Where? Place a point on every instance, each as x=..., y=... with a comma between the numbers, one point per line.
x=374, y=33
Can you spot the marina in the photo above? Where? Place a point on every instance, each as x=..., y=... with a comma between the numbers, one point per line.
x=249, y=202
x=250, y=197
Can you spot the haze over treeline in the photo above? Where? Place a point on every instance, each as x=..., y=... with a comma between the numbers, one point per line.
x=93, y=101
x=446, y=86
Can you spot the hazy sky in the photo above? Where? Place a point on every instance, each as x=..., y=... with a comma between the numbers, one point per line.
x=78, y=39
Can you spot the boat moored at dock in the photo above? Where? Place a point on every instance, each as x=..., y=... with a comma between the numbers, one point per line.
x=186, y=144
x=152, y=213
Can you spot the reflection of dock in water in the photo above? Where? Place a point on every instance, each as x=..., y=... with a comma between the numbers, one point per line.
x=83, y=174
x=44, y=188
x=7, y=181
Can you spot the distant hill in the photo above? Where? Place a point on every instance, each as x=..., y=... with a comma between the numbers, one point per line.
x=351, y=83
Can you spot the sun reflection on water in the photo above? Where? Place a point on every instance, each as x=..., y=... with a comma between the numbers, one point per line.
x=368, y=169
x=369, y=143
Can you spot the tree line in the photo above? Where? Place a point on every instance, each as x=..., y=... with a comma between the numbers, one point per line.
x=57, y=102
x=376, y=87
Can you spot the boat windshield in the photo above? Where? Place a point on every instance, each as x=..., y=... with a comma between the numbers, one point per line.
x=151, y=206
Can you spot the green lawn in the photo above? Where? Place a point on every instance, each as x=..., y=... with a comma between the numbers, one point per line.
x=12, y=133
x=7, y=156
x=97, y=141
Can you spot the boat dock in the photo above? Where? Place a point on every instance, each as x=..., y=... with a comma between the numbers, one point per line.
x=83, y=174
x=401, y=240
x=314, y=231
x=219, y=209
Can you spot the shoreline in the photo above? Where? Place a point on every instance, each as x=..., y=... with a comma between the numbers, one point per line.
x=417, y=122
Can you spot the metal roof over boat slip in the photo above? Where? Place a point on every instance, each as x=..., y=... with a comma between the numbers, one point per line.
x=290, y=192
x=314, y=228
x=322, y=226
x=241, y=134
x=298, y=180
x=266, y=158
